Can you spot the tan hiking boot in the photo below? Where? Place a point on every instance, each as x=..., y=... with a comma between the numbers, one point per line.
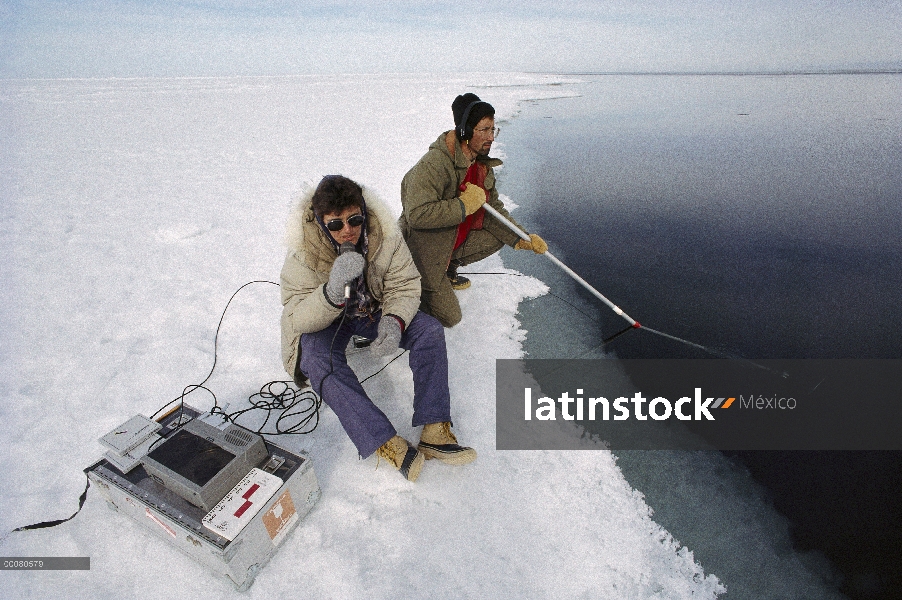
x=437, y=441
x=402, y=456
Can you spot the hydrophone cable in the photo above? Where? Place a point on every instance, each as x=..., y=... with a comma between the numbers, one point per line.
x=687, y=342
x=550, y=293
x=304, y=405
x=709, y=350
x=190, y=388
x=44, y=524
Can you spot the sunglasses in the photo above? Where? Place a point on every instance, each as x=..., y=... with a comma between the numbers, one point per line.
x=339, y=224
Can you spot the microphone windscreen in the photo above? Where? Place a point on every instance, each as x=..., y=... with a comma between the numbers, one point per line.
x=347, y=247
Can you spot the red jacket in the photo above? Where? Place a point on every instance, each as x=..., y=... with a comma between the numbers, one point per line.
x=475, y=175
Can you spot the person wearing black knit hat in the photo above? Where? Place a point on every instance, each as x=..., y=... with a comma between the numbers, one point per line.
x=443, y=220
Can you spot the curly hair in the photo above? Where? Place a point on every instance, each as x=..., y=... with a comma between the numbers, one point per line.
x=335, y=193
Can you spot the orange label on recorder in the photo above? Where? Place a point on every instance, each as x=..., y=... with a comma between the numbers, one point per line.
x=279, y=518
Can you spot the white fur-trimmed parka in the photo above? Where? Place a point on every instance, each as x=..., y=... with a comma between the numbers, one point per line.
x=391, y=275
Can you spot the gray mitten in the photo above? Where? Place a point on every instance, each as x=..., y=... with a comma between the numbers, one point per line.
x=389, y=336
x=346, y=268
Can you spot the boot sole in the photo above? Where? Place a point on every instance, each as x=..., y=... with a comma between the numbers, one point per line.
x=453, y=457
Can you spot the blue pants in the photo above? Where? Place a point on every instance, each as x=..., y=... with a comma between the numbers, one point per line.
x=365, y=424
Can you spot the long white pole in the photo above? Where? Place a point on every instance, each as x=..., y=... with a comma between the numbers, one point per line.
x=566, y=269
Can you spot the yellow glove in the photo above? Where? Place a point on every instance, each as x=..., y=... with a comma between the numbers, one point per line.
x=536, y=244
x=473, y=198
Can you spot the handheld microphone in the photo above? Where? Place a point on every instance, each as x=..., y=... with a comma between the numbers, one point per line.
x=347, y=247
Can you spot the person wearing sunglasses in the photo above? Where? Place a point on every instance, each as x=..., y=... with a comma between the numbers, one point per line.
x=348, y=274
x=443, y=221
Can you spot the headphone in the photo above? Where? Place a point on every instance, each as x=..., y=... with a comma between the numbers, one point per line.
x=464, y=132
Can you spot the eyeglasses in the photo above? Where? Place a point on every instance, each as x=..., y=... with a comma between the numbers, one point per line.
x=485, y=130
x=339, y=224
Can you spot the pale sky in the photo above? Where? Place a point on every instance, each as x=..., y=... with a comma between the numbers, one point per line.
x=135, y=38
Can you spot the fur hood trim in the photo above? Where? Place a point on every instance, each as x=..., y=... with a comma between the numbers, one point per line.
x=294, y=234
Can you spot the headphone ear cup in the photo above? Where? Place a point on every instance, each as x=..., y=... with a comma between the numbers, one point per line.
x=464, y=132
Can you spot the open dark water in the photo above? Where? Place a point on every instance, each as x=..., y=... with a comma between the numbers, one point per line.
x=760, y=216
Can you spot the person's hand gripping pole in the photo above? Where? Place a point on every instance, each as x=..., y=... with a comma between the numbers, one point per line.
x=525, y=238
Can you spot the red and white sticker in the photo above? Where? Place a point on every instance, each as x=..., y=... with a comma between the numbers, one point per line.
x=242, y=504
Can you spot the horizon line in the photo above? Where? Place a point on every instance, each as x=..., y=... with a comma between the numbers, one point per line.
x=838, y=71
x=676, y=73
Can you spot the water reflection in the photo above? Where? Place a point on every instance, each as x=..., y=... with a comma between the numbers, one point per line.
x=759, y=216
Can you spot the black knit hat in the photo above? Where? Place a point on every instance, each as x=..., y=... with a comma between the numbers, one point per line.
x=477, y=113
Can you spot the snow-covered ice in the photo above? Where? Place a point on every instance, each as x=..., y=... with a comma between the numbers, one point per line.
x=131, y=211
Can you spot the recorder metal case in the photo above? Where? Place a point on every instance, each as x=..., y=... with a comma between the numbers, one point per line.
x=246, y=537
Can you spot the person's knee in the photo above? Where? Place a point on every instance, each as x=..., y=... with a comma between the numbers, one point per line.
x=451, y=318
x=431, y=327
x=446, y=316
x=442, y=306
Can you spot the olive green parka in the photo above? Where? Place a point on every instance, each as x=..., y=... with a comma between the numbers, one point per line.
x=432, y=211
